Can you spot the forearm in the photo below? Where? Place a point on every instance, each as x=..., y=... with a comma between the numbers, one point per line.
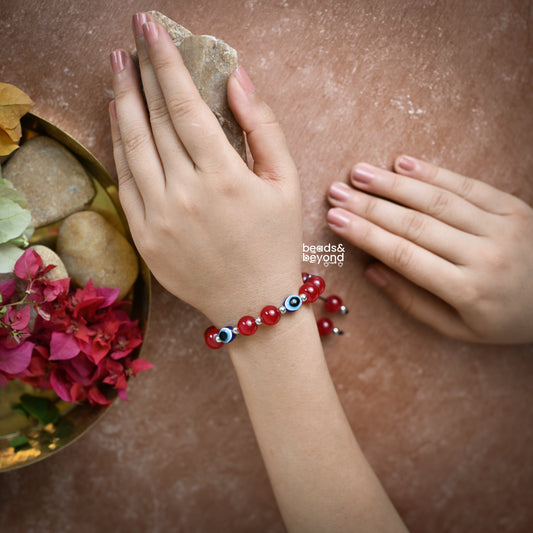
x=320, y=477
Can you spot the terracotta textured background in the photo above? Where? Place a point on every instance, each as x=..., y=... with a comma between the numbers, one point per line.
x=446, y=425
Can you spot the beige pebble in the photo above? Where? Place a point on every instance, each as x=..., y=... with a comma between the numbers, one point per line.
x=53, y=181
x=91, y=248
x=49, y=257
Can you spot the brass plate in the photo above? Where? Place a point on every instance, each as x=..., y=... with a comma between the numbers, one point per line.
x=75, y=419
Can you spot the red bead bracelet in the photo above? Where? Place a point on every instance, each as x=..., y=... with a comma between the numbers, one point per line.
x=270, y=315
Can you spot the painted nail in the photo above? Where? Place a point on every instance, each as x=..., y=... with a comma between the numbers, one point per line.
x=118, y=61
x=374, y=275
x=340, y=192
x=139, y=19
x=151, y=33
x=337, y=218
x=406, y=163
x=363, y=174
x=244, y=80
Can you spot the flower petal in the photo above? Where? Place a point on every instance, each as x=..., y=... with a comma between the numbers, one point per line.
x=15, y=360
x=63, y=346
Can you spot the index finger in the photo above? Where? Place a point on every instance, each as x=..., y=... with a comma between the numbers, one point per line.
x=474, y=191
x=195, y=124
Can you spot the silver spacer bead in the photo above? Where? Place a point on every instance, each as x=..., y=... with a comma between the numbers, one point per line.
x=344, y=311
x=217, y=338
x=282, y=309
x=337, y=331
x=235, y=330
x=303, y=297
x=258, y=321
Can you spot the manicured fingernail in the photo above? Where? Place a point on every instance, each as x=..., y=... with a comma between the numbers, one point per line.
x=374, y=275
x=118, y=61
x=406, y=163
x=339, y=191
x=337, y=218
x=113, y=110
x=139, y=19
x=151, y=33
x=244, y=80
x=363, y=173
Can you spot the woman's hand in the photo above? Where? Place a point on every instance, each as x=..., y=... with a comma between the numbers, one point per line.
x=455, y=253
x=219, y=236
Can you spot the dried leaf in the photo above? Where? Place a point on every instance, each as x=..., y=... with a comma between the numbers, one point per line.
x=14, y=134
x=6, y=144
x=14, y=103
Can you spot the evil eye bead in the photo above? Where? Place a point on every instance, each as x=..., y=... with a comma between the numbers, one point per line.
x=226, y=335
x=292, y=303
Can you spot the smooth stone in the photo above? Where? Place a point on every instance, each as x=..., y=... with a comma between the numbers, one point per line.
x=53, y=181
x=91, y=248
x=49, y=257
x=210, y=62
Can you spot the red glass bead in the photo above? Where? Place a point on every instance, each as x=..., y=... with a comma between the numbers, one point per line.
x=270, y=315
x=310, y=290
x=333, y=303
x=210, y=338
x=318, y=282
x=325, y=326
x=305, y=275
x=247, y=325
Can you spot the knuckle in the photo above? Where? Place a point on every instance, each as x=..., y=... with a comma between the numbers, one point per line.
x=183, y=107
x=370, y=207
x=402, y=255
x=158, y=111
x=136, y=138
x=414, y=225
x=395, y=185
x=439, y=203
x=465, y=187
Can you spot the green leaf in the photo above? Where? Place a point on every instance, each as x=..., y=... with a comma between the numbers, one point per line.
x=9, y=254
x=19, y=443
x=41, y=408
x=13, y=219
x=8, y=191
x=19, y=409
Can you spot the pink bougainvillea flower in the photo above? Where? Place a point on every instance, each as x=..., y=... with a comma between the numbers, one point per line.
x=81, y=343
x=63, y=346
x=7, y=290
x=28, y=265
x=15, y=360
x=138, y=365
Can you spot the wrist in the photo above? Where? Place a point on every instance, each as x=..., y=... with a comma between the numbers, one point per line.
x=309, y=290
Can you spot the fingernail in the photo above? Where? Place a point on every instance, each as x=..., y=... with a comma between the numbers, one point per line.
x=244, y=80
x=376, y=277
x=139, y=19
x=339, y=191
x=151, y=33
x=113, y=110
x=118, y=61
x=363, y=173
x=406, y=163
x=337, y=218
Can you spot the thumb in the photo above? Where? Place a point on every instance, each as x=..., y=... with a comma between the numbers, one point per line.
x=265, y=137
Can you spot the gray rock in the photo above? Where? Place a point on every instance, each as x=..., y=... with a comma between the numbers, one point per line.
x=210, y=62
x=51, y=178
x=91, y=248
